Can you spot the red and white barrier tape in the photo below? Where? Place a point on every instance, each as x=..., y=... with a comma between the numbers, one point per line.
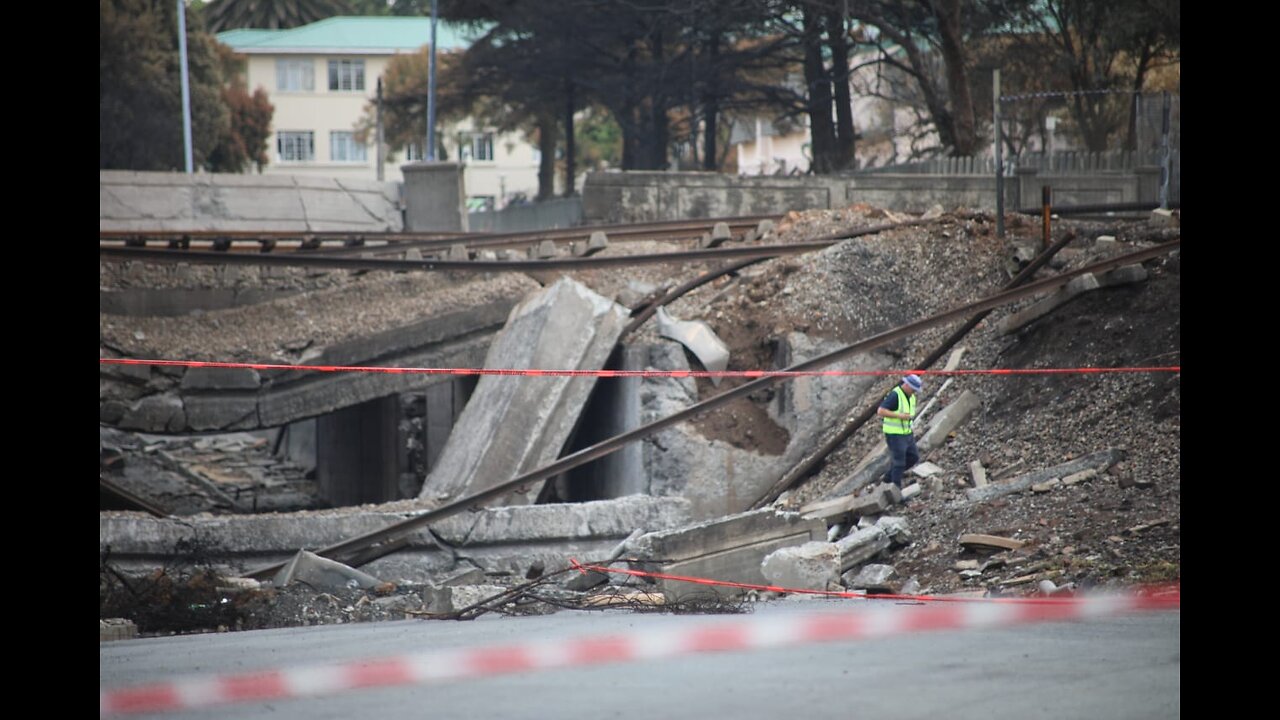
x=746, y=634
x=632, y=373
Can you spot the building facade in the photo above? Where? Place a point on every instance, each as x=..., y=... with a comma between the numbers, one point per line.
x=321, y=78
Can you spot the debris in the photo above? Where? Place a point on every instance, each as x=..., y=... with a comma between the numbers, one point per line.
x=978, y=473
x=322, y=572
x=873, y=578
x=698, y=336
x=975, y=541
x=811, y=566
x=1046, y=486
x=116, y=629
x=925, y=469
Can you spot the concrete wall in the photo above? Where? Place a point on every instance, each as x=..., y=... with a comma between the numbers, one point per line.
x=176, y=201
x=652, y=196
x=658, y=196
x=562, y=213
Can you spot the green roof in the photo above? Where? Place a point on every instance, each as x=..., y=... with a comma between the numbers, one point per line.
x=351, y=34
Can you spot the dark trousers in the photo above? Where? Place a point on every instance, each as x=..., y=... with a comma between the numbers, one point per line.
x=902, y=451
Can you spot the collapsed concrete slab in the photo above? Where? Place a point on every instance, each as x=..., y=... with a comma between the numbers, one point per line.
x=1098, y=461
x=496, y=540
x=723, y=478
x=513, y=425
x=731, y=549
x=175, y=399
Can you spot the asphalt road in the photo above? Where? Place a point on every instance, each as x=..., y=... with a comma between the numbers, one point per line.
x=1117, y=667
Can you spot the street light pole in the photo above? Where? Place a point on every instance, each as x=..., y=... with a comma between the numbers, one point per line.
x=186, y=91
x=431, y=91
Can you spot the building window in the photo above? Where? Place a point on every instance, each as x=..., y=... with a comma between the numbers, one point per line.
x=296, y=145
x=295, y=75
x=343, y=147
x=346, y=75
x=475, y=146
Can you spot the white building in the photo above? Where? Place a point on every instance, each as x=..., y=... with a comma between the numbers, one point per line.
x=320, y=78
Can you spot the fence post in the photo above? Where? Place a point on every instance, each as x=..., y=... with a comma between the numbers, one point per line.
x=995, y=115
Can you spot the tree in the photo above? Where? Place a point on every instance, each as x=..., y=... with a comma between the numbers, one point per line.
x=271, y=14
x=246, y=137
x=1100, y=46
x=140, y=94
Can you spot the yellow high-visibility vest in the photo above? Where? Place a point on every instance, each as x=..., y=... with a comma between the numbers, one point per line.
x=894, y=426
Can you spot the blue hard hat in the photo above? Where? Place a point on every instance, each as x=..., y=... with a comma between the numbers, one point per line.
x=914, y=381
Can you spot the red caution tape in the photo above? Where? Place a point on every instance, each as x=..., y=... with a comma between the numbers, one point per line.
x=531, y=372
x=756, y=632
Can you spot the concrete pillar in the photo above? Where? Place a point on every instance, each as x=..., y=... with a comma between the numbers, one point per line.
x=300, y=443
x=356, y=454
x=445, y=401
x=435, y=196
x=613, y=410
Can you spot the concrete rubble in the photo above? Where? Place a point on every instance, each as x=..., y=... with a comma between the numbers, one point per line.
x=731, y=548
x=514, y=425
x=698, y=336
x=811, y=566
x=1098, y=461
x=322, y=572
x=872, y=578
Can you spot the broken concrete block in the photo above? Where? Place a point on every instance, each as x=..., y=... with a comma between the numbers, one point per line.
x=810, y=566
x=1039, y=309
x=1161, y=217
x=451, y=599
x=978, y=473
x=896, y=528
x=910, y=587
x=1046, y=486
x=732, y=548
x=320, y=572
x=873, y=578
x=933, y=212
x=910, y=491
x=511, y=426
x=867, y=521
x=961, y=565
x=1098, y=461
x=861, y=546
x=1105, y=239
x=948, y=419
x=156, y=413
x=925, y=469
x=698, y=336
x=978, y=541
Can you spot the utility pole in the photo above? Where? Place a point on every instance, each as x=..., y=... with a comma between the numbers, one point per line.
x=995, y=99
x=378, y=134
